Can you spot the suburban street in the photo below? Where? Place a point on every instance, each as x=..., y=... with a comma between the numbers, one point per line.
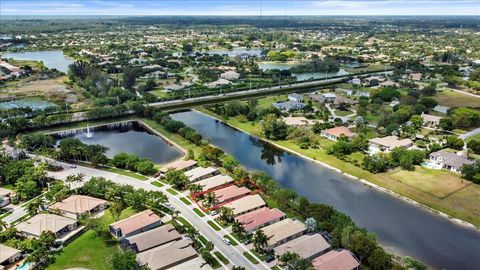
x=234, y=254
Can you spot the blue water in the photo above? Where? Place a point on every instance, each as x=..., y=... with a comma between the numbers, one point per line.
x=25, y=266
x=51, y=59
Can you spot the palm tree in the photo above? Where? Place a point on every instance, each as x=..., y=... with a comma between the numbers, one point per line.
x=292, y=261
x=175, y=218
x=3, y=225
x=210, y=199
x=238, y=229
x=75, y=179
x=226, y=214
x=260, y=240
x=34, y=207
x=194, y=188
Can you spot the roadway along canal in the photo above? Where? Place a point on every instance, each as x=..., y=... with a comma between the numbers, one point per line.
x=401, y=227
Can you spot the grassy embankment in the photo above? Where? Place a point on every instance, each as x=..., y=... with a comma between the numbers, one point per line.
x=440, y=190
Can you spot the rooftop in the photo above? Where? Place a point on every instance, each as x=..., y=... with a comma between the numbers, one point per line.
x=78, y=204
x=338, y=131
x=154, y=237
x=306, y=246
x=197, y=264
x=136, y=221
x=198, y=172
x=336, y=260
x=283, y=229
x=44, y=222
x=230, y=192
x=246, y=203
x=168, y=255
x=259, y=217
x=179, y=165
x=391, y=142
x=7, y=252
x=214, y=181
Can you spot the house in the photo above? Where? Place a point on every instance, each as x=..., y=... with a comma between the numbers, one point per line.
x=230, y=75
x=431, y=120
x=246, y=204
x=214, y=181
x=335, y=133
x=150, y=239
x=288, y=105
x=329, y=97
x=355, y=93
x=63, y=227
x=230, y=193
x=356, y=81
x=5, y=195
x=173, y=87
x=307, y=246
x=76, y=205
x=449, y=161
x=283, y=231
x=441, y=109
x=317, y=98
x=344, y=100
x=387, y=144
x=201, y=173
x=8, y=255
x=135, y=224
x=299, y=121
x=197, y=263
x=416, y=76
x=218, y=83
x=336, y=260
x=180, y=165
x=168, y=255
x=260, y=218
x=295, y=97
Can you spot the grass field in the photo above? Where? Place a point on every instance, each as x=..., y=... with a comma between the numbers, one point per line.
x=198, y=212
x=186, y=201
x=435, y=182
x=157, y=184
x=232, y=241
x=250, y=257
x=221, y=257
x=172, y=191
x=88, y=249
x=455, y=99
x=213, y=225
x=343, y=113
x=460, y=203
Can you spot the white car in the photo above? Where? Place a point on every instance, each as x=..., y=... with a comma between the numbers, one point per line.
x=226, y=241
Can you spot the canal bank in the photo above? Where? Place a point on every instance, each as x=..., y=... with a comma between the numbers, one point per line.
x=401, y=225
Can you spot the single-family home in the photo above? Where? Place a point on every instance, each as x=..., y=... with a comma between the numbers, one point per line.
x=356, y=81
x=343, y=100
x=150, y=239
x=283, y=231
x=336, y=260
x=214, y=181
x=307, y=246
x=5, y=195
x=230, y=193
x=201, y=173
x=246, y=204
x=295, y=97
x=230, y=75
x=167, y=255
x=8, y=255
x=140, y=222
x=63, y=227
x=259, y=218
x=289, y=105
x=197, y=263
x=335, y=133
x=218, y=83
x=76, y=205
x=449, y=161
x=329, y=97
x=431, y=120
x=299, y=121
x=387, y=144
x=441, y=109
x=180, y=165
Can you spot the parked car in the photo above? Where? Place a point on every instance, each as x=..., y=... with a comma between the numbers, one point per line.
x=226, y=241
x=269, y=258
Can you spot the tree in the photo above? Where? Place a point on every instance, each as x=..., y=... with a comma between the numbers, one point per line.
x=229, y=163
x=26, y=188
x=274, y=128
x=124, y=261
x=474, y=145
x=446, y=123
x=145, y=167
x=260, y=240
x=375, y=163
x=472, y=172
x=116, y=209
x=379, y=259
x=238, y=229
x=177, y=179
x=226, y=214
x=454, y=142
x=129, y=76
x=284, y=197
x=195, y=188
x=74, y=179
x=417, y=121
x=40, y=251
x=212, y=154
x=207, y=256
x=292, y=261
x=34, y=207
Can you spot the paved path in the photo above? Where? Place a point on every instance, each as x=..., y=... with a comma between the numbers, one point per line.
x=470, y=134
x=18, y=211
x=234, y=254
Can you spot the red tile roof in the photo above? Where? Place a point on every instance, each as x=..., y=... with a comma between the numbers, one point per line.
x=336, y=260
x=230, y=192
x=337, y=131
x=136, y=221
x=259, y=217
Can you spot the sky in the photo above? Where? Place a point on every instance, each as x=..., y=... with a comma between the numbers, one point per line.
x=239, y=7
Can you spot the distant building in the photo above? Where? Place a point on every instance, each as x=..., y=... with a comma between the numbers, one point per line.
x=329, y=97
x=289, y=105
x=441, y=109
x=167, y=255
x=449, y=161
x=335, y=133
x=230, y=75
x=5, y=195
x=230, y=193
x=299, y=121
x=431, y=120
x=295, y=97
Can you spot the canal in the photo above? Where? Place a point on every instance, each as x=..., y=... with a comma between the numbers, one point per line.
x=399, y=226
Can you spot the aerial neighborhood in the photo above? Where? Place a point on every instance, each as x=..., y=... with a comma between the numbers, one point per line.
x=237, y=142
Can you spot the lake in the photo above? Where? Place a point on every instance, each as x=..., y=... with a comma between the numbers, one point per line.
x=300, y=76
x=51, y=59
x=130, y=137
x=399, y=226
x=235, y=52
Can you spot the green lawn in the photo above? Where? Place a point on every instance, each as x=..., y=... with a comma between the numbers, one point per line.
x=203, y=239
x=250, y=257
x=88, y=250
x=475, y=137
x=186, y=201
x=221, y=257
x=451, y=98
x=125, y=173
x=213, y=225
x=198, y=212
x=172, y=191
x=157, y=184
x=343, y=113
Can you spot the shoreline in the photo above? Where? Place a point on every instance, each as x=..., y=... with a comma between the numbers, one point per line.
x=452, y=219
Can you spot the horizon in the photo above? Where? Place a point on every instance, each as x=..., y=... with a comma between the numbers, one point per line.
x=240, y=8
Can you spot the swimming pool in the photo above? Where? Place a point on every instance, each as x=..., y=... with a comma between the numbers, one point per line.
x=25, y=266
x=431, y=165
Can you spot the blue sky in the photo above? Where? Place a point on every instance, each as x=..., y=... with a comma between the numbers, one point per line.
x=239, y=7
